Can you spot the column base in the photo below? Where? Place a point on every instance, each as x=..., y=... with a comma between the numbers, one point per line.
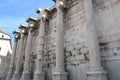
x=97, y=75
x=39, y=75
x=9, y=76
x=59, y=75
x=26, y=75
x=16, y=76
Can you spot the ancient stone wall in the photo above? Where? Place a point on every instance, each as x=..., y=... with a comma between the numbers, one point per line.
x=78, y=60
x=4, y=66
x=76, y=48
x=108, y=26
x=49, y=47
x=75, y=39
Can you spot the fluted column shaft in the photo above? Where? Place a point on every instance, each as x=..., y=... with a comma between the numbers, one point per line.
x=26, y=72
x=39, y=74
x=11, y=71
x=17, y=72
x=94, y=52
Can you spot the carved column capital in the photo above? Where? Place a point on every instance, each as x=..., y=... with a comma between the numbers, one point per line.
x=61, y=4
x=44, y=14
x=16, y=35
x=32, y=23
x=23, y=29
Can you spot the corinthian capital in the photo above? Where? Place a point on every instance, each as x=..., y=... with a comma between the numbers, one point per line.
x=43, y=13
x=16, y=35
x=31, y=20
x=32, y=23
x=23, y=29
x=60, y=4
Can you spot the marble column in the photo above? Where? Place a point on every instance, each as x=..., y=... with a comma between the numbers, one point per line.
x=16, y=55
x=26, y=75
x=17, y=73
x=11, y=68
x=60, y=73
x=96, y=72
x=39, y=73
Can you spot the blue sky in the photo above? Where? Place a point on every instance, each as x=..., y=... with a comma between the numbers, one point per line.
x=15, y=12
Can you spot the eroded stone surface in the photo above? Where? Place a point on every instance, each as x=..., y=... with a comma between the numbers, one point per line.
x=76, y=46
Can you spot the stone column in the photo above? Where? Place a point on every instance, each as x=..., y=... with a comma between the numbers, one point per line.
x=11, y=68
x=17, y=73
x=60, y=73
x=96, y=71
x=26, y=75
x=39, y=73
x=16, y=54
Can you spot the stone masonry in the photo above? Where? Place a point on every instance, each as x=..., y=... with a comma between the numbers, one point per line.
x=73, y=40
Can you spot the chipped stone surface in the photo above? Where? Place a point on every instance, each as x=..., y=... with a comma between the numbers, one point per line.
x=76, y=48
x=4, y=66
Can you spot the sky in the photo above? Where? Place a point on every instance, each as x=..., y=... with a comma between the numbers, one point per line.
x=15, y=12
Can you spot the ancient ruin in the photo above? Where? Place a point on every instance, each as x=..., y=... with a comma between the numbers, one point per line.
x=73, y=40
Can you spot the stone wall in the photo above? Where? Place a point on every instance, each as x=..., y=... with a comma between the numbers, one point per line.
x=4, y=66
x=76, y=49
x=49, y=47
x=108, y=26
x=75, y=42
